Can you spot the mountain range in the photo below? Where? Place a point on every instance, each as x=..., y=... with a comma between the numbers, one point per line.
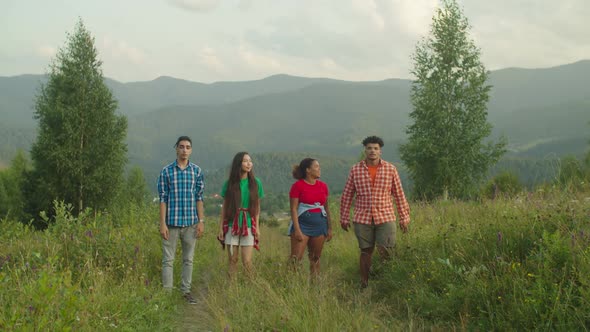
x=542, y=112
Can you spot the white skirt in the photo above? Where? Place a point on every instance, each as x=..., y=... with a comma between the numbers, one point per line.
x=237, y=240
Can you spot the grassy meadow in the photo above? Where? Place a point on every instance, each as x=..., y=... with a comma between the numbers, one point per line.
x=519, y=263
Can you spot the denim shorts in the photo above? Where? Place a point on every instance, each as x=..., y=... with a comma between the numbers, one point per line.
x=312, y=224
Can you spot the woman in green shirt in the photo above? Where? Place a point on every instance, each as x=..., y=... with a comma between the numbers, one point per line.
x=238, y=228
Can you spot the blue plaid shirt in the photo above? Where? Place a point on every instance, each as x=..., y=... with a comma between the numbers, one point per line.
x=180, y=189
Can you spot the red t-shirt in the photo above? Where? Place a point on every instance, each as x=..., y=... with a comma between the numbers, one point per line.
x=310, y=194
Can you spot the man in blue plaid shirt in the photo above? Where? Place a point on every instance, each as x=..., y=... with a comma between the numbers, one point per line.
x=180, y=187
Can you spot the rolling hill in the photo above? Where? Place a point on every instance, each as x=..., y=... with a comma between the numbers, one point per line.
x=542, y=112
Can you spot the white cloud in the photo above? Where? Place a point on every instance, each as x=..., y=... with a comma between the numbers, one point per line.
x=258, y=61
x=530, y=34
x=46, y=51
x=209, y=58
x=245, y=4
x=369, y=8
x=248, y=39
x=195, y=5
x=413, y=17
x=329, y=64
x=121, y=50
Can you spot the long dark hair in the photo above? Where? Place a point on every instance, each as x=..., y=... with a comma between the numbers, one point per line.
x=233, y=196
x=300, y=171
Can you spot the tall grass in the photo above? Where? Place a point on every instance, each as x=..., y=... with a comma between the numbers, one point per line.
x=496, y=265
x=84, y=274
x=507, y=264
x=279, y=298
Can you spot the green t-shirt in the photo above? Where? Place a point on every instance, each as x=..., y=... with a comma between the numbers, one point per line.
x=245, y=199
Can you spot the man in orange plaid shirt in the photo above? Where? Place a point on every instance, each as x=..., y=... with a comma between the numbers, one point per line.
x=374, y=181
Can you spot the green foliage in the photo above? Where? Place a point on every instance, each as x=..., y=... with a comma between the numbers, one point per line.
x=275, y=203
x=12, y=181
x=274, y=170
x=269, y=220
x=446, y=152
x=531, y=171
x=135, y=188
x=497, y=265
x=518, y=96
x=574, y=173
x=519, y=263
x=504, y=184
x=89, y=272
x=213, y=207
x=80, y=150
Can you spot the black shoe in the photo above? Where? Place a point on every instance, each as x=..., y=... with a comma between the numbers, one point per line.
x=189, y=298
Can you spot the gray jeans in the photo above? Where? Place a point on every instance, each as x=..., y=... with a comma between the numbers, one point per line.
x=188, y=239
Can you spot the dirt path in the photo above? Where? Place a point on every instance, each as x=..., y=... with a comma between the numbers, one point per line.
x=192, y=313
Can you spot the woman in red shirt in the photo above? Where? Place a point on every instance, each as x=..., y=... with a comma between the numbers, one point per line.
x=309, y=213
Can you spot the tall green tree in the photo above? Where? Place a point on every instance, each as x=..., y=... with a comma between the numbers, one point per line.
x=136, y=187
x=447, y=153
x=80, y=150
x=12, y=199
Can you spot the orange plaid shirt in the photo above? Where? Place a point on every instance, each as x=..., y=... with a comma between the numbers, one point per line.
x=373, y=202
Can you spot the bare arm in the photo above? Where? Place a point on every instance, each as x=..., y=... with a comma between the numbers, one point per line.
x=294, y=204
x=201, y=215
x=200, y=210
x=163, y=227
x=258, y=220
x=220, y=234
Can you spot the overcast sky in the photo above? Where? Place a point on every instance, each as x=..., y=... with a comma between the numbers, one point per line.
x=234, y=40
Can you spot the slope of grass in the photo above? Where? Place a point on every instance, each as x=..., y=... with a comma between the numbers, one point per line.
x=508, y=264
x=86, y=274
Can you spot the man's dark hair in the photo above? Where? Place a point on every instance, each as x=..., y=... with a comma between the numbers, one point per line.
x=183, y=138
x=373, y=140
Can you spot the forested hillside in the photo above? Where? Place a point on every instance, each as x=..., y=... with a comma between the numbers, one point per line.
x=543, y=113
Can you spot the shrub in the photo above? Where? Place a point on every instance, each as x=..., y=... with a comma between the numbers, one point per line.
x=504, y=184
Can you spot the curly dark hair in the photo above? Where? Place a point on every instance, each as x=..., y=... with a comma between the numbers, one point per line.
x=373, y=140
x=300, y=171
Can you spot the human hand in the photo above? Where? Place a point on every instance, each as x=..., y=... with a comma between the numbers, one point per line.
x=200, y=230
x=298, y=235
x=345, y=225
x=164, y=231
x=220, y=235
x=329, y=236
x=403, y=225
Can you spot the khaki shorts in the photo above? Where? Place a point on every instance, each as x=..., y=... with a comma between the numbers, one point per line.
x=370, y=235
